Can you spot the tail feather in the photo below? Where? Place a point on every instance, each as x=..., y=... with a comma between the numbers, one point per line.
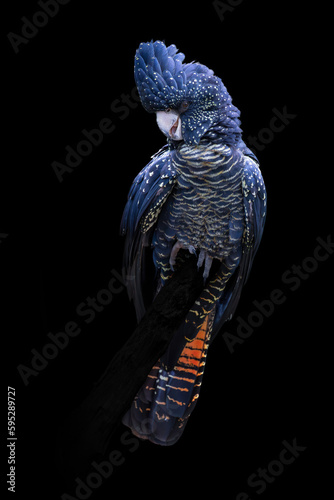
x=164, y=403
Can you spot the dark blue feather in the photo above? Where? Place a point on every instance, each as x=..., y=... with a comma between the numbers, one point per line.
x=255, y=202
x=172, y=50
x=204, y=194
x=147, y=194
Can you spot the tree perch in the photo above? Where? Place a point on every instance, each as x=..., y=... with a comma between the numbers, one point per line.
x=88, y=431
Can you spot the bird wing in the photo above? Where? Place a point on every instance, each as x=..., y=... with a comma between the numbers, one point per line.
x=254, y=201
x=147, y=195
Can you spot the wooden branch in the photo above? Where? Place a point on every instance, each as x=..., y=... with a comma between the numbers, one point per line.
x=88, y=431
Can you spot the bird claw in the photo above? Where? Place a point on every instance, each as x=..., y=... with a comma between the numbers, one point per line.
x=173, y=254
x=203, y=257
x=207, y=260
x=192, y=250
x=175, y=250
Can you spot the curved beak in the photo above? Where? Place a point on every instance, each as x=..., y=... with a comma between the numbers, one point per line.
x=170, y=124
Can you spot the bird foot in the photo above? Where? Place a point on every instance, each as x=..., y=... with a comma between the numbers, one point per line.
x=175, y=250
x=207, y=260
x=203, y=258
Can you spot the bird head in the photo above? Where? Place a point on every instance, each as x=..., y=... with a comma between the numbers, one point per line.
x=188, y=99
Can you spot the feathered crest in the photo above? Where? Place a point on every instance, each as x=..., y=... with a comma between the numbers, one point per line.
x=159, y=76
x=164, y=81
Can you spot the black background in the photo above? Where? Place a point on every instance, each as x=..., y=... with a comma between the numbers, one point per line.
x=63, y=241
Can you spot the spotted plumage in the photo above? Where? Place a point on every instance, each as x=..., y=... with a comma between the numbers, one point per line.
x=202, y=194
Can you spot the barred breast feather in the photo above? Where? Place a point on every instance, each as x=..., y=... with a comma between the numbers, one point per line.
x=205, y=209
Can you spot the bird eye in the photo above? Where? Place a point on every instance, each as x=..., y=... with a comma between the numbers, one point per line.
x=185, y=105
x=168, y=110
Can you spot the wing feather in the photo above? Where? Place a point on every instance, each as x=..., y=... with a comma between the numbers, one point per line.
x=255, y=202
x=147, y=195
